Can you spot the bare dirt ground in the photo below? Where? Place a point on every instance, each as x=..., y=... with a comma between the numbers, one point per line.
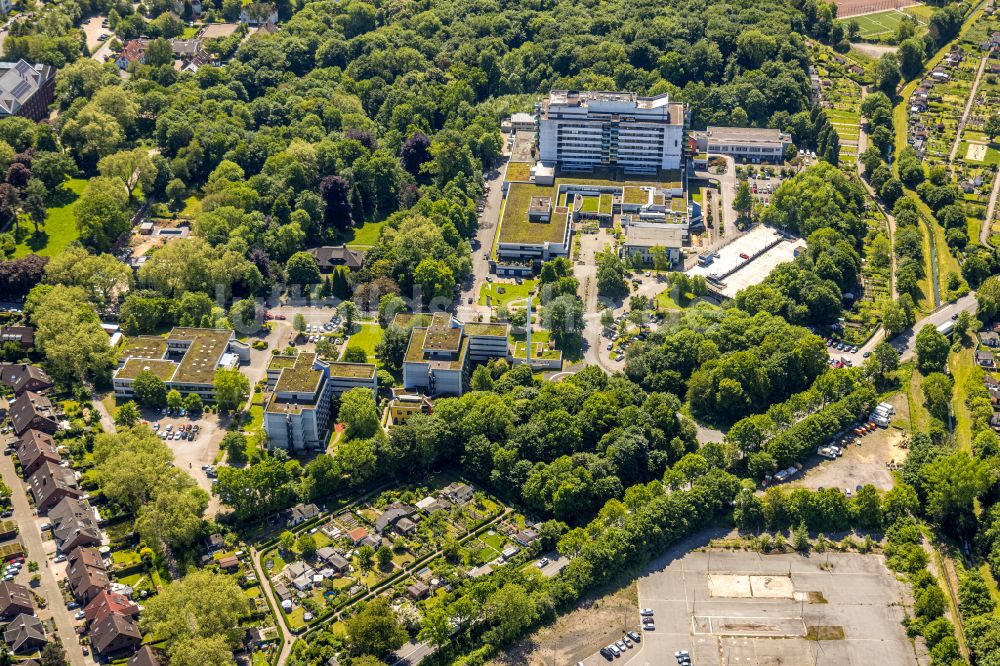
x=873, y=50
x=577, y=635
x=141, y=244
x=864, y=462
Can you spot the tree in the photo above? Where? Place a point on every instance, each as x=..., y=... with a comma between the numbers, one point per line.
x=887, y=74
x=193, y=403
x=937, y=389
x=988, y=299
x=992, y=128
x=336, y=192
x=235, y=445
x=149, y=389
x=53, y=654
x=611, y=275
x=375, y=629
x=299, y=323
x=231, y=388
x=200, y=605
x=201, y=651
x=384, y=557
x=176, y=191
x=174, y=399
x=743, y=202
x=563, y=317
x=355, y=354
x=103, y=276
x=134, y=168
x=415, y=152
x=391, y=349
x=286, y=541
x=132, y=465
x=307, y=546
x=128, y=415
x=174, y=518
x=69, y=333
x=358, y=411
x=932, y=349
x=302, y=269
x=159, y=52
x=101, y=212
x=366, y=557
x=435, y=278
x=348, y=312
x=911, y=57
x=952, y=483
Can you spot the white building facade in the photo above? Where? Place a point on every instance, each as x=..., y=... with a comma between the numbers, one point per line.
x=586, y=130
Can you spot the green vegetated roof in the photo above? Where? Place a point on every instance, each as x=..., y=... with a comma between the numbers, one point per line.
x=539, y=350
x=202, y=357
x=404, y=319
x=280, y=362
x=678, y=204
x=589, y=204
x=518, y=172
x=298, y=380
x=415, y=352
x=515, y=226
x=606, y=204
x=353, y=370
x=144, y=346
x=635, y=195
x=486, y=328
x=162, y=369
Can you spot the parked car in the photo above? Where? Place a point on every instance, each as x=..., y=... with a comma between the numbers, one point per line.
x=79, y=615
x=59, y=558
x=744, y=255
x=634, y=635
x=72, y=605
x=646, y=612
x=542, y=563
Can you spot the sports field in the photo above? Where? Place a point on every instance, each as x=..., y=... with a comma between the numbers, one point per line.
x=879, y=24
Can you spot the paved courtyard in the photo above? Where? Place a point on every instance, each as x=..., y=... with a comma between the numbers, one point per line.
x=746, y=609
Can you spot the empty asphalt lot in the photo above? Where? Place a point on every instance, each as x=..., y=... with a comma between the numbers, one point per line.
x=743, y=608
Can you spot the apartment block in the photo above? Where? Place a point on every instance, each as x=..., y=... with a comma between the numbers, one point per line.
x=744, y=143
x=297, y=414
x=438, y=355
x=587, y=130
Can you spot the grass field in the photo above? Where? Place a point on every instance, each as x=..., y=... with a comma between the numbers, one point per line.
x=367, y=234
x=878, y=24
x=366, y=337
x=59, y=229
x=512, y=292
x=962, y=365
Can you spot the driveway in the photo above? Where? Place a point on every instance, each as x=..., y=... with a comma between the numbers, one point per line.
x=39, y=551
x=93, y=29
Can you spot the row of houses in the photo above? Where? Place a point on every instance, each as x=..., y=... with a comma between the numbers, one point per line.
x=109, y=614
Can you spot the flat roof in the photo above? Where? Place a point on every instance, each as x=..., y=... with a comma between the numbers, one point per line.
x=145, y=346
x=515, y=227
x=280, y=362
x=202, y=357
x=441, y=335
x=162, y=369
x=415, y=352
x=745, y=135
x=635, y=195
x=352, y=370
x=649, y=235
x=486, y=328
x=404, y=319
x=298, y=380
x=749, y=272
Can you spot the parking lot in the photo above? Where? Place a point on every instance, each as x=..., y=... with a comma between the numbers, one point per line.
x=191, y=453
x=748, y=260
x=736, y=607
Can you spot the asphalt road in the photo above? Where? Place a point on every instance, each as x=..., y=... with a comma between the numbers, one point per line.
x=411, y=653
x=906, y=341
x=31, y=539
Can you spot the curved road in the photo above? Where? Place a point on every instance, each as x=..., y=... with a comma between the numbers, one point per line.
x=286, y=637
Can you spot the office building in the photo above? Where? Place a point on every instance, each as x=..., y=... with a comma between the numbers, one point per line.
x=438, y=355
x=587, y=130
x=744, y=143
x=26, y=90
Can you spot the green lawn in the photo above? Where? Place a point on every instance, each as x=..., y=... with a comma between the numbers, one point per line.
x=512, y=292
x=59, y=229
x=192, y=206
x=366, y=337
x=367, y=234
x=961, y=365
x=190, y=32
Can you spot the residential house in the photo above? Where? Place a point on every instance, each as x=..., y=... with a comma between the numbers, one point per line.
x=281, y=591
x=185, y=49
x=393, y=513
x=989, y=338
x=257, y=13
x=331, y=257
x=26, y=90
x=333, y=559
x=148, y=656
x=375, y=541
x=50, y=484
x=458, y=493
x=984, y=358
x=15, y=600
x=74, y=524
x=525, y=537
x=25, y=634
x=431, y=504
x=509, y=552
x=302, y=513
x=86, y=574
x=34, y=449
x=115, y=635
x=106, y=603
x=134, y=51
x=357, y=535
x=214, y=542
x=32, y=410
x=23, y=377
x=417, y=591
x=229, y=563
x=23, y=336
